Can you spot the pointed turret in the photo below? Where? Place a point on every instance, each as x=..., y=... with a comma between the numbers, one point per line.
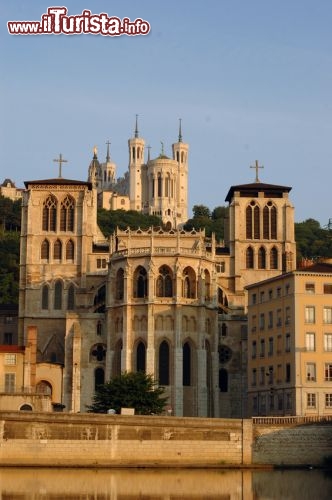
x=136, y=161
x=94, y=169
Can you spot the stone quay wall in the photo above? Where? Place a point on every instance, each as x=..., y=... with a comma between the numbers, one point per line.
x=90, y=440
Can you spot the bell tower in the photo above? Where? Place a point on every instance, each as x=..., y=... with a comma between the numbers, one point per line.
x=136, y=160
x=180, y=155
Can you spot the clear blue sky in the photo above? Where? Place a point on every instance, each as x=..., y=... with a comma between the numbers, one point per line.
x=250, y=80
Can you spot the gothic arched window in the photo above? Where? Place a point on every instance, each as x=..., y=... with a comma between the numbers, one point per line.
x=49, y=214
x=57, y=250
x=119, y=284
x=45, y=294
x=189, y=283
x=140, y=283
x=58, y=295
x=164, y=363
x=249, y=258
x=186, y=364
x=270, y=221
x=274, y=258
x=45, y=250
x=261, y=258
x=67, y=212
x=164, y=285
x=257, y=231
x=70, y=250
x=159, y=184
x=253, y=221
x=71, y=298
x=140, y=357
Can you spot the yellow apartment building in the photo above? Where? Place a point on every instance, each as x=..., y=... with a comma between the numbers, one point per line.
x=290, y=343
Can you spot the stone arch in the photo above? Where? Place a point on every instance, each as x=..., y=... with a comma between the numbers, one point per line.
x=58, y=291
x=45, y=297
x=70, y=250
x=67, y=213
x=189, y=283
x=49, y=218
x=261, y=258
x=250, y=258
x=44, y=387
x=140, y=282
x=45, y=250
x=164, y=363
x=140, y=356
x=164, y=282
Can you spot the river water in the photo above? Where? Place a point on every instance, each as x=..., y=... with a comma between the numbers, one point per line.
x=165, y=484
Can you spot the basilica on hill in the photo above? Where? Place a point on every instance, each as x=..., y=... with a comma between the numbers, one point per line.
x=164, y=300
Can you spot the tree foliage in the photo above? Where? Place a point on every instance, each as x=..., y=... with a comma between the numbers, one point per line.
x=109, y=220
x=312, y=240
x=10, y=214
x=10, y=224
x=129, y=390
x=212, y=222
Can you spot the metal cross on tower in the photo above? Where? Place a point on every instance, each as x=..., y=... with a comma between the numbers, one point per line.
x=60, y=160
x=256, y=166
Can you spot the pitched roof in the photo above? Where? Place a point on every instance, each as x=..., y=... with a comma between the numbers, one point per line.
x=251, y=190
x=58, y=180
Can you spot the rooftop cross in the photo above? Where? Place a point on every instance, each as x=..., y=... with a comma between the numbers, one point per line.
x=256, y=166
x=180, y=130
x=108, y=158
x=60, y=160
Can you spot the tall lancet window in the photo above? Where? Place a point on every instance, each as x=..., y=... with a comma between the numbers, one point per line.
x=160, y=183
x=261, y=258
x=164, y=363
x=140, y=357
x=45, y=250
x=140, y=283
x=49, y=214
x=164, y=285
x=252, y=221
x=249, y=258
x=67, y=212
x=274, y=258
x=270, y=221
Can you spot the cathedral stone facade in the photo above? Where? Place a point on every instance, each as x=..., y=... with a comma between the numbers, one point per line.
x=166, y=301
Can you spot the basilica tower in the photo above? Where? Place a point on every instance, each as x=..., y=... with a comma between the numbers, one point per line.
x=136, y=161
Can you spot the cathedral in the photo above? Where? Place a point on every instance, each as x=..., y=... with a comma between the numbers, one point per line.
x=166, y=301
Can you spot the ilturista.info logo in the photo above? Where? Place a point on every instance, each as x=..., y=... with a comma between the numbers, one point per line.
x=57, y=22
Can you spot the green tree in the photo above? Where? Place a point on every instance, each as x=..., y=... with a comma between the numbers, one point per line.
x=9, y=267
x=129, y=390
x=201, y=211
x=109, y=220
x=312, y=240
x=211, y=222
